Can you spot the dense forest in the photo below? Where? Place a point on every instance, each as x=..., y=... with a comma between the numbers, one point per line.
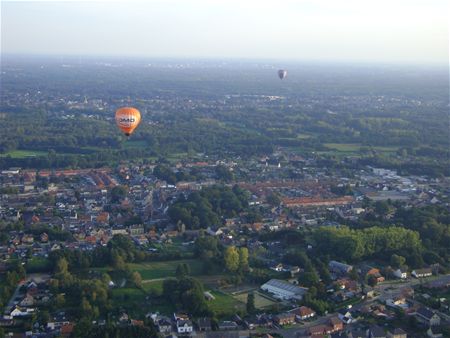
x=391, y=117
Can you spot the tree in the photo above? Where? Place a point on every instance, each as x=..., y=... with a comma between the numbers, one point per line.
x=118, y=193
x=136, y=279
x=231, y=258
x=224, y=174
x=353, y=274
x=206, y=247
x=308, y=279
x=165, y=173
x=117, y=261
x=397, y=261
x=62, y=267
x=243, y=259
x=251, y=303
x=182, y=270
x=381, y=208
x=60, y=300
x=372, y=280
x=273, y=199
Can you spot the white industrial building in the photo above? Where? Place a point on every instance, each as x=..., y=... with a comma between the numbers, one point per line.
x=284, y=290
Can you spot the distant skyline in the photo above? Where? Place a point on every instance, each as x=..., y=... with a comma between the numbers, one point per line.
x=395, y=31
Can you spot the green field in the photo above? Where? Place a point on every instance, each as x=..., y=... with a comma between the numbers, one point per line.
x=261, y=301
x=153, y=286
x=134, y=144
x=345, y=147
x=38, y=264
x=303, y=136
x=356, y=147
x=224, y=304
x=156, y=270
x=24, y=153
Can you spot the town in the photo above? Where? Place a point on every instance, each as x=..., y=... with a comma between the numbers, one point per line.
x=276, y=245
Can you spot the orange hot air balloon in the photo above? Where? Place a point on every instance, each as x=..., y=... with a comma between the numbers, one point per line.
x=127, y=119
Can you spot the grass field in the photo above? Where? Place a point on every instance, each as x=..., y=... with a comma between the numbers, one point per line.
x=345, y=147
x=261, y=301
x=224, y=304
x=24, y=153
x=156, y=270
x=135, y=144
x=303, y=136
x=355, y=147
x=153, y=286
x=37, y=264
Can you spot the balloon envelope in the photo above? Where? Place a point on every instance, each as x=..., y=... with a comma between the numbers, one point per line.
x=282, y=73
x=127, y=119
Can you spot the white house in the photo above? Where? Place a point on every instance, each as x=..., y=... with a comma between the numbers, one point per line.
x=402, y=274
x=421, y=273
x=345, y=316
x=18, y=312
x=428, y=317
x=284, y=290
x=184, y=326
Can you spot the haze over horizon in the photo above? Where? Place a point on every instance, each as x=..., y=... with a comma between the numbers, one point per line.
x=406, y=32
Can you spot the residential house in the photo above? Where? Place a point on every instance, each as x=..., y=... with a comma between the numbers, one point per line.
x=284, y=290
x=27, y=301
x=227, y=325
x=27, y=239
x=163, y=324
x=258, y=321
x=421, y=273
x=184, y=326
x=136, y=230
x=21, y=312
x=427, y=316
x=277, y=267
x=44, y=237
x=336, y=324
x=435, y=332
x=285, y=318
x=397, y=333
x=67, y=329
x=6, y=321
x=303, y=313
x=135, y=322
x=368, y=291
x=357, y=334
x=345, y=316
x=369, y=271
x=204, y=324
x=319, y=330
x=339, y=268
x=376, y=332
x=401, y=273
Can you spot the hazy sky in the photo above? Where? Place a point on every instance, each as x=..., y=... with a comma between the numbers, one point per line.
x=406, y=31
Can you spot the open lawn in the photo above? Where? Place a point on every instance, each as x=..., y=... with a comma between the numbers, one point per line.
x=355, y=147
x=153, y=286
x=135, y=144
x=24, y=153
x=303, y=136
x=224, y=304
x=37, y=264
x=261, y=301
x=156, y=270
x=346, y=147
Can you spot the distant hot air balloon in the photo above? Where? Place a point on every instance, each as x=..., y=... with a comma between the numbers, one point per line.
x=127, y=119
x=282, y=73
